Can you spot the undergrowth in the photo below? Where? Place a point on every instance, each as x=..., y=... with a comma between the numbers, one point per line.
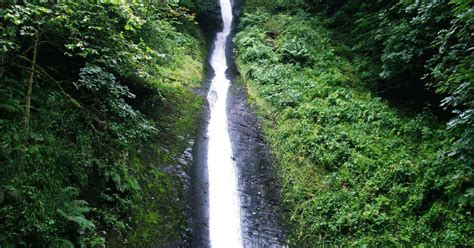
x=354, y=171
x=89, y=159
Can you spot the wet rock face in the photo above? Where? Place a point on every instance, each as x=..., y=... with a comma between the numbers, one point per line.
x=262, y=224
x=258, y=184
x=198, y=233
x=210, y=21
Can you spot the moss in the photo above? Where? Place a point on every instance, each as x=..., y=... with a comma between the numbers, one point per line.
x=158, y=216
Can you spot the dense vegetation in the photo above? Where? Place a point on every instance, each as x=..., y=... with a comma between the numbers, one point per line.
x=96, y=108
x=368, y=107
x=355, y=168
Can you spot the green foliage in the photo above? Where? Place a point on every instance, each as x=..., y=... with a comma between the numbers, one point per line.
x=74, y=211
x=274, y=5
x=109, y=82
x=411, y=49
x=419, y=43
x=294, y=51
x=354, y=171
x=201, y=6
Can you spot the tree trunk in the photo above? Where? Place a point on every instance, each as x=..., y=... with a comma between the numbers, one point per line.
x=30, y=89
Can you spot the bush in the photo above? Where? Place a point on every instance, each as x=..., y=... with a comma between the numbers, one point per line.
x=354, y=171
x=83, y=157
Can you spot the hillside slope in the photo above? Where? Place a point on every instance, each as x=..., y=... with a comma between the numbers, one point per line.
x=354, y=171
x=96, y=108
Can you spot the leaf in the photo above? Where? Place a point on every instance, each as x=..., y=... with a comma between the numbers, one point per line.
x=74, y=211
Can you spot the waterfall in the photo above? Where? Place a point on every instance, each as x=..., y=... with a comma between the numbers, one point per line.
x=224, y=203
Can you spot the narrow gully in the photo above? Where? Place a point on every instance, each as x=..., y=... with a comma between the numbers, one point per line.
x=224, y=203
x=235, y=199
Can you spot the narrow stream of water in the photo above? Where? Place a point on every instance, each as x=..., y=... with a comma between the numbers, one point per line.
x=224, y=203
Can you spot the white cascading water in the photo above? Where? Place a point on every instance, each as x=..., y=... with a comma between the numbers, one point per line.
x=224, y=204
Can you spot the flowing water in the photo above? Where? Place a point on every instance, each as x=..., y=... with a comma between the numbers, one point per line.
x=224, y=203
